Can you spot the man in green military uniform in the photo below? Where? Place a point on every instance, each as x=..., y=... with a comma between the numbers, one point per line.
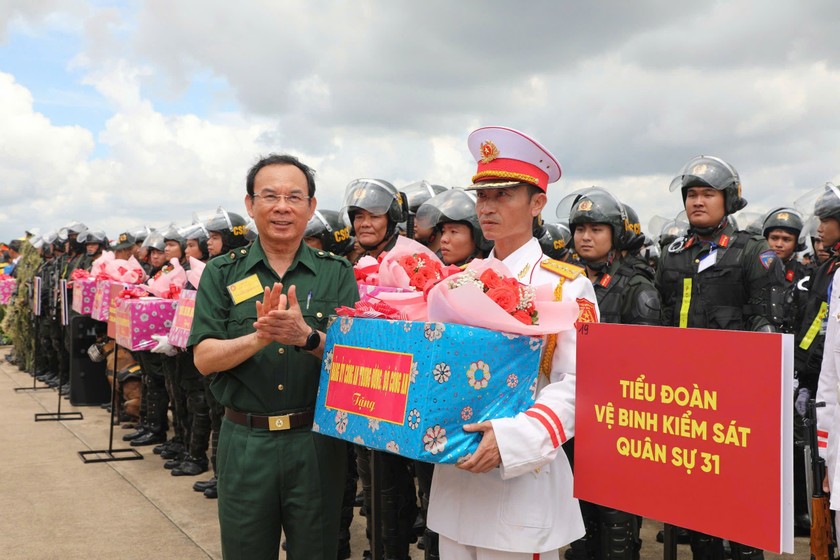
x=260, y=320
x=716, y=278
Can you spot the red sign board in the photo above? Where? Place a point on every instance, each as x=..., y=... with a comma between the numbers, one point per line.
x=372, y=383
x=691, y=427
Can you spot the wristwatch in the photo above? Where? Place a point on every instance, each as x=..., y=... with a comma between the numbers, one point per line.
x=312, y=342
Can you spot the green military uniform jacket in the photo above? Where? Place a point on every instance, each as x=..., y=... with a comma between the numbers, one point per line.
x=278, y=378
x=729, y=291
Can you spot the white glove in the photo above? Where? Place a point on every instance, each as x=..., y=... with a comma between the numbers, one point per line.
x=801, y=404
x=163, y=346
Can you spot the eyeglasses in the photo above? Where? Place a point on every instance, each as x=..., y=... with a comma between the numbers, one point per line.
x=272, y=199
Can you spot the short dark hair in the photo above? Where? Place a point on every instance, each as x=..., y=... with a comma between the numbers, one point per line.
x=280, y=159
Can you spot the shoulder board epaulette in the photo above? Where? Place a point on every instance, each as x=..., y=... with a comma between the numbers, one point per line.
x=568, y=271
x=232, y=255
x=330, y=255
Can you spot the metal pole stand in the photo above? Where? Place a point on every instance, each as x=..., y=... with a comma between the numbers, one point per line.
x=376, y=545
x=33, y=388
x=670, y=542
x=111, y=454
x=58, y=415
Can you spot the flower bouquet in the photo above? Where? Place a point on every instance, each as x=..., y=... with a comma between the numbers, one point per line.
x=129, y=271
x=194, y=273
x=167, y=283
x=401, y=279
x=486, y=295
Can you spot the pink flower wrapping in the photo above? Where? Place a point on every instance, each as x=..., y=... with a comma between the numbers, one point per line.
x=469, y=305
x=168, y=284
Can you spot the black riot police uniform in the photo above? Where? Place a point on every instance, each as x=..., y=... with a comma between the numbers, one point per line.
x=624, y=288
x=729, y=291
x=398, y=498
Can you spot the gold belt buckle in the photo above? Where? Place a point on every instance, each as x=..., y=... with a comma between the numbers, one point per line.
x=276, y=423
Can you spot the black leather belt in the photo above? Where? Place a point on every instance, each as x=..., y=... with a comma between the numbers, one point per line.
x=274, y=423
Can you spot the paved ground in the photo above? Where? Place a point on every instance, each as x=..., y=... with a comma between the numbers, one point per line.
x=53, y=506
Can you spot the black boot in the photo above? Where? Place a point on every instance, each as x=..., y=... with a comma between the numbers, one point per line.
x=203, y=485
x=191, y=466
x=149, y=438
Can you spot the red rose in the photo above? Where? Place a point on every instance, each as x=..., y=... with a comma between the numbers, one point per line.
x=522, y=317
x=408, y=262
x=490, y=279
x=421, y=277
x=504, y=297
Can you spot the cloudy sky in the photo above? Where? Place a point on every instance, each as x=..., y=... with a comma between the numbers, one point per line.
x=145, y=112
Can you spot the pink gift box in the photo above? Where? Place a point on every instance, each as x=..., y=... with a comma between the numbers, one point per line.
x=103, y=300
x=137, y=320
x=180, y=332
x=84, y=291
x=7, y=290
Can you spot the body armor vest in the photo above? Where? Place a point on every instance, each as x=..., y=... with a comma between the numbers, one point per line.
x=612, y=288
x=714, y=298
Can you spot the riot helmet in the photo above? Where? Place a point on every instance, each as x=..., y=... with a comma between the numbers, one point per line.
x=139, y=233
x=555, y=240
x=71, y=233
x=786, y=219
x=250, y=230
x=197, y=232
x=597, y=206
x=378, y=197
x=328, y=227
x=667, y=230
x=709, y=171
x=454, y=205
x=633, y=231
x=93, y=236
x=827, y=204
x=418, y=193
x=232, y=227
x=154, y=241
x=173, y=233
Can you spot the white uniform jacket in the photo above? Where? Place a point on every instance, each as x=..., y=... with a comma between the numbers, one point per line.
x=828, y=430
x=526, y=505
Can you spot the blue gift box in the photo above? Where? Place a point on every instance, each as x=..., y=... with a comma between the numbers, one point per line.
x=408, y=387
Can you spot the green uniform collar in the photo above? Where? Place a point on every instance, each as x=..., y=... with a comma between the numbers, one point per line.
x=254, y=254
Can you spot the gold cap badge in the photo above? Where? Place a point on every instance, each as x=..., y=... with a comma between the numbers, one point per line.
x=489, y=151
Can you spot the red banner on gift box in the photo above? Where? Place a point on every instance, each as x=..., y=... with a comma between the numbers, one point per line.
x=686, y=427
x=182, y=324
x=371, y=383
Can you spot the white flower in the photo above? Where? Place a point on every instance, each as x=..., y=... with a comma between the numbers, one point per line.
x=346, y=324
x=512, y=380
x=358, y=440
x=535, y=343
x=373, y=424
x=510, y=336
x=441, y=373
x=466, y=413
x=407, y=326
x=340, y=421
x=414, y=372
x=328, y=361
x=434, y=441
x=478, y=375
x=316, y=427
x=392, y=446
x=433, y=331
x=414, y=419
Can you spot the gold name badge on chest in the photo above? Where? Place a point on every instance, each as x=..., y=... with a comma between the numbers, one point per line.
x=245, y=289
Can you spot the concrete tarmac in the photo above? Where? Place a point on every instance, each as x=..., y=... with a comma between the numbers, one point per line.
x=54, y=506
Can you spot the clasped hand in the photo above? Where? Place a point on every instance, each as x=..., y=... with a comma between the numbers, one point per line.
x=279, y=317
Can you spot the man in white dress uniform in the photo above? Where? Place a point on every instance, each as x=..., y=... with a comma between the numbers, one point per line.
x=512, y=499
